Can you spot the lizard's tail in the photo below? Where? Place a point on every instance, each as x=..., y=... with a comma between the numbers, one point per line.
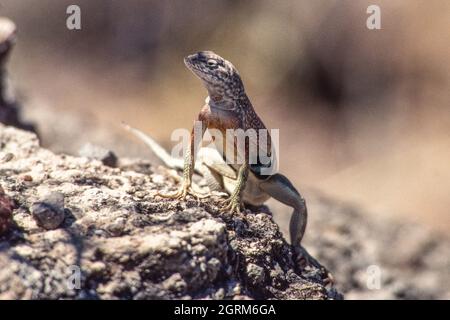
x=159, y=151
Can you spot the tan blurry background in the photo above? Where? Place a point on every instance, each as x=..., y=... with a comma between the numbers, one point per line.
x=364, y=115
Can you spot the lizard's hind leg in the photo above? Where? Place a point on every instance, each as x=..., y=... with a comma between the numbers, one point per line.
x=280, y=188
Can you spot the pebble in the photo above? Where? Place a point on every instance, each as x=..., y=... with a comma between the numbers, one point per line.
x=49, y=211
x=7, y=157
x=107, y=157
x=117, y=227
x=140, y=194
x=27, y=178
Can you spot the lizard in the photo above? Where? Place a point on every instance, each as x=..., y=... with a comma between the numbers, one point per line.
x=228, y=107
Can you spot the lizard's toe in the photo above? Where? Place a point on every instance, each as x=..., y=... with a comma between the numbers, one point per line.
x=176, y=195
x=182, y=194
x=232, y=205
x=198, y=195
x=179, y=194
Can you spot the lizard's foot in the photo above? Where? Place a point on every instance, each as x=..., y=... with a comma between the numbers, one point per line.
x=184, y=190
x=304, y=258
x=180, y=194
x=232, y=204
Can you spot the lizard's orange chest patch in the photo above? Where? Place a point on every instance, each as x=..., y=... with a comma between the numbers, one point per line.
x=219, y=119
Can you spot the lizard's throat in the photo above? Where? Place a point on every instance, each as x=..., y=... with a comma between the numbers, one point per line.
x=214, y=92
x=221, y=104
x=219, y=96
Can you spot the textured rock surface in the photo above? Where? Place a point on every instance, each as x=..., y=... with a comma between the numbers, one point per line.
x=126, y=243
x=6, y=208
x=375, y=257
x=372, y=256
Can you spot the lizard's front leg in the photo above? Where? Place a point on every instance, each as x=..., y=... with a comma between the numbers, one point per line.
x=188, y=169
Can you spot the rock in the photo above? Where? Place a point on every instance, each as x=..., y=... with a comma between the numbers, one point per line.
x=373, y=257
x=6, y=208
x=49, y=212
x=7, y=157
x=107, y=157
x=121, y=241
x=9, y=108
x=7, y=36
x=255, y=274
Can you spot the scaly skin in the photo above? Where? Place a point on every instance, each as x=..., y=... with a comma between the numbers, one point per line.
x=188, y=171
x=228, y=107
x=223, y=177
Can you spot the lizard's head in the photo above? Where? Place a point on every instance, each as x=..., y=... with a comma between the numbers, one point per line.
x=220, y=77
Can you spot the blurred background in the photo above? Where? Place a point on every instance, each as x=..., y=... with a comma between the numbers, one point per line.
x=364, y=115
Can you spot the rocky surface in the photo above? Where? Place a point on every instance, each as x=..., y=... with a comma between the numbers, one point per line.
x=373, y=257
x=118, y=240
x=91, y=227
x=6, y=208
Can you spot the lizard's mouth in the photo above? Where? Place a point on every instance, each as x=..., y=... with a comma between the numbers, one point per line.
x=190, y=64
x=189, y=61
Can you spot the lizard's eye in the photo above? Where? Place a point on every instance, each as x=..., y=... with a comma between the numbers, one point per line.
x=211, y=63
